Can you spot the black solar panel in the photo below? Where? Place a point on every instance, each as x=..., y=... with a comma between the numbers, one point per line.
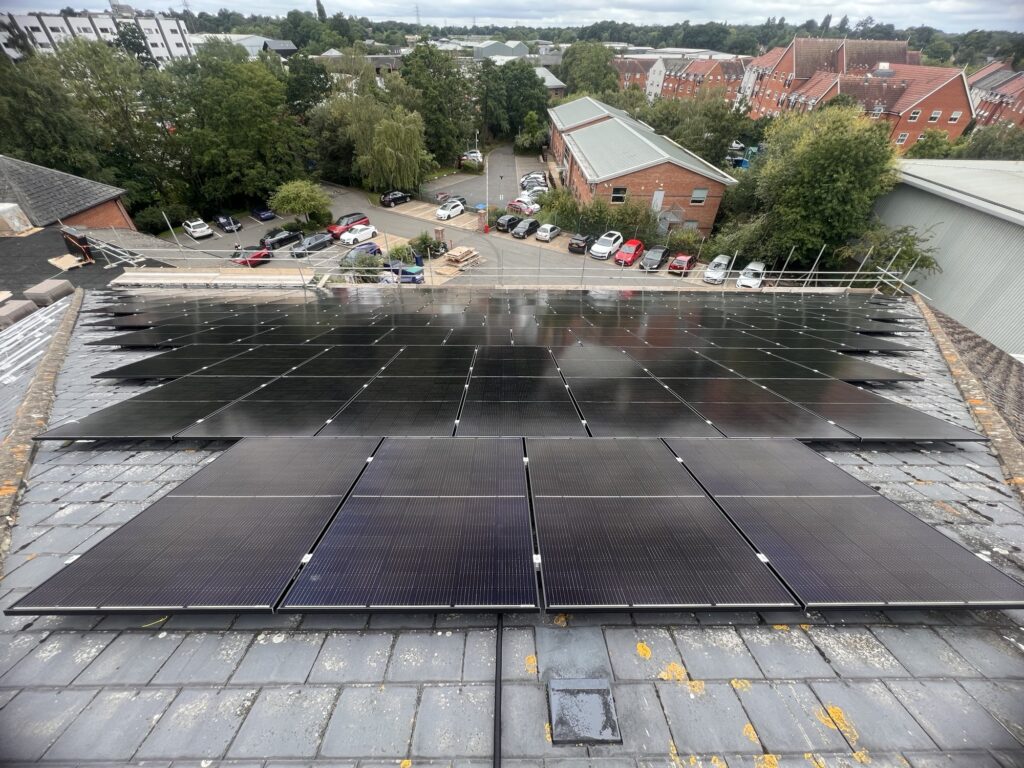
x=768, y=420
x=243, y=366
x=863, y=552
x=528, y=419
x=155, y=368
x=402, y=366
x=300, y=389
x=605, y=369
x=413, y=388
x=190, y=553
x=134, y=420
x=517, y=388
x=196, y=389
x=398, y=418
x=850, y=369
x=891, y=421
x=812, y=391
x=514, y=367
x=644, y=420
x=648, y=553
x=692, y=367
x=621, y=390
x=772, y=369
x=264, y=419
x=360, y=367
x=430, y=553
x=721, y=391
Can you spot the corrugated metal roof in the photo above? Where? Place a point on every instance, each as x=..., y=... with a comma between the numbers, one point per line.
x=615, y=147
x=581, y=111
x=46, y=195
x=995, y=187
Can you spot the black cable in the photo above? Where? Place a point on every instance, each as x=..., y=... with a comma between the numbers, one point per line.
x=497, y=695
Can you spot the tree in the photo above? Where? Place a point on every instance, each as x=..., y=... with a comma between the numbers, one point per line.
x=1004, y=141
x=493, y=99
x=133, y=42
x=840, y=100
x=507, y=93
x=933, y=144
x=445, y=104
x=397, y=158
x=588, y=67
x=321, y=12
x=706, y=124
x=17, y=40
x=939, y=51
x=307, y=84
x=899, y=249
x=820, y=178
x=300, y=198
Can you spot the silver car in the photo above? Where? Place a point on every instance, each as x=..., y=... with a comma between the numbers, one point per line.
x=548, y=232
x=716, y=271
x=606, y=245
x=752, y=275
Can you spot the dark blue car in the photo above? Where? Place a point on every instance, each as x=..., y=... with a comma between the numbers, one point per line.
x=262, y=213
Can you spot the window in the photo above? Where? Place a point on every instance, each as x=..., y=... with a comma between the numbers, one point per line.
x=876, y=112
x=179, y=45
x=902, y=138
x=914, y=116
x=153, y=45
x=955, y=117
x=56, y=29
x=618, y=194
x=35, y=29
x=934, y=116
x=920, y=136
x=698, y=196
x=105, y=30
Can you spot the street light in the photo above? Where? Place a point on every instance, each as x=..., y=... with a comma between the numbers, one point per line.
x=476, y=141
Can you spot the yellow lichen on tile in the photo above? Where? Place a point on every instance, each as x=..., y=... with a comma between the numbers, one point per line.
x=531, y=664
x=750, y=733
x=673, y=671
x=739, y=684
x=643, y=650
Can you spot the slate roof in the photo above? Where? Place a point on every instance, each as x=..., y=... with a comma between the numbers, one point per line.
x=46, y=195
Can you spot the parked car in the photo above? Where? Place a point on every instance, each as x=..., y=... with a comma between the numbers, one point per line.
x=606, y=245
x=278, y=238
x=450, y=210
x=752, y=275
x=534, y=176
x=344, y=223
x=315, y=242
x=654, y=259
x=262, y=213
x=394, y=197
x=629, y=252
x=252, y=256
x=580, y=243
x=715, y=272
x=407, y=273
x=533, y=184
x=197, y=229
x=526, y=205
x=228, y=223
x=473, y=156
x=681, y=264
x=358, y=234
x=507, y=222
x=370, y=249
x=548, y=232
x=525, y=228
x=533, y=193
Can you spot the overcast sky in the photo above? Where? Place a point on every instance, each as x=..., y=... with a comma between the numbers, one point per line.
x=949, y=15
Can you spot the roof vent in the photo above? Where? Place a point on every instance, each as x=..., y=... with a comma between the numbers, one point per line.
x=883, y=65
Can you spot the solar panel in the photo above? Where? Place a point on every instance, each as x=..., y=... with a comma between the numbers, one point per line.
x=299, y=389
x=768, y=420
x=190, y=554
x=398, y=418
x=413, y=388
x=517, y=388
x=865, y=552
x=772, y=369
x=692, y=368
x=527, y=419
x=250, y=418
x=243, y=366
x=851, y=369
x=196, y=389
x=433, y=553
x=605, y=369
x=621, y=390
x=645, y=420
x=403, y=366
x=891, y=421
x=764, y=468
x=648, y=553
x=811, y=391
x=514, y=367
x=155, y=368
x=133, y=420
x=721, y=391
x=359, y=367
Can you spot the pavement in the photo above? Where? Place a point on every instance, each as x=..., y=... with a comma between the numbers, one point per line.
x=774, y=689
x=497, y=186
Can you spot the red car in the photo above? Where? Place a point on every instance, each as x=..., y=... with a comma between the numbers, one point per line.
x=629, y=252
x=681, y=264
x=252, y=256
x=346, y=222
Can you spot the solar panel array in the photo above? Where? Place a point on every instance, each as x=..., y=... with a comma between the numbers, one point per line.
x=524, y=364
x=336, y=524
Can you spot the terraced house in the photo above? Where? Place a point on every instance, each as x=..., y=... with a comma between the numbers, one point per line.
x=884, y=76
x=602, y=152
x=997, y=93
x=685, y=79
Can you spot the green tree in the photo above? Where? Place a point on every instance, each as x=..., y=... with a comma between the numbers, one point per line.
x=526, y=93
x=1004, y=141
x=820, y=178
x=939, y=51
x=17, y=39
x=133, y=42
x=493, y=99
x=840, y=100
x=397, y=158
x=533, y=134
x=445, y=100
x=706, y=124
x=588, y=67
x=300, y=198
x=897, y=248
x=321, y=12
x=307, y=85
x=933, y=144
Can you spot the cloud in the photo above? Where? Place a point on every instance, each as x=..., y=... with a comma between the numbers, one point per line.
x=948, y=15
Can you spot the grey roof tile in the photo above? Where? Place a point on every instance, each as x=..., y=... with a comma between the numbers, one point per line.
x=46, y=195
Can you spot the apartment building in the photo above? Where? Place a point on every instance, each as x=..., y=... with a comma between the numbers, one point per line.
x=997, y=94
x=685, y=79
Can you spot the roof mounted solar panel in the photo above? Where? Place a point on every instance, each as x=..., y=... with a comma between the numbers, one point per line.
x=134, y=420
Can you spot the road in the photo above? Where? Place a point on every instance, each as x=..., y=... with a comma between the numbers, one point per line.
x=497, y=186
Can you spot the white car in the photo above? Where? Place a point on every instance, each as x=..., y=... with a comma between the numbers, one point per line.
x=752, y=275
x=474, y=156
x=716, y=271
x=548, y=232
x=534, y=192
x=526, y=205
x=535, y=176
x=606, y=245
x=197, y=228
x=358, y=234
x=449, y=210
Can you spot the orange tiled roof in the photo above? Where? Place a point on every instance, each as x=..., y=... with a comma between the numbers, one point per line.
x=816, y=88
x=987, y=70
x=770, y=59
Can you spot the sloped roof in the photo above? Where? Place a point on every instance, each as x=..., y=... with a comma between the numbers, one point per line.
x=46, y=195
x=733, y=67
x=871, y=92
x=581, y=111
x=621, y=145
x=280, y=45
x=702, y=66
x=770, y=59
x=921, y=81
x=993, y=81
x=549, y=79
x=870, y=53
x=811, y=54
x=677, y=68
x=632, y=66
x=816, y=88
x=989, y=69
x=995, y=187
x=1012, y=87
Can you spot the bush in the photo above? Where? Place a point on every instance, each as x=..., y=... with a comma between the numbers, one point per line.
x=320, y=218
x=468, y=166
x=493, y=214
x=151, y=219
x=367, y=268
x=685, y=240
x=401, y=253
x=292, y=226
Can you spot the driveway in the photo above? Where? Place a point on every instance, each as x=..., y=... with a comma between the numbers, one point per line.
x=497, y=186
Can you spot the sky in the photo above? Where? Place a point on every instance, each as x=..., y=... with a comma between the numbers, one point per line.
x=948, y=15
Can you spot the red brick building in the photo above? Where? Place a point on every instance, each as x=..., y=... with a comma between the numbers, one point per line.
x=685, y=79
x=603, y=152
x=997, y=93
x=632, y=72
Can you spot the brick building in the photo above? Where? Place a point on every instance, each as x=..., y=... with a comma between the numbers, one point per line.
x=632, y=72
x=997, y=93
x=46, y=196
x=603, y=152
x=685, y=79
